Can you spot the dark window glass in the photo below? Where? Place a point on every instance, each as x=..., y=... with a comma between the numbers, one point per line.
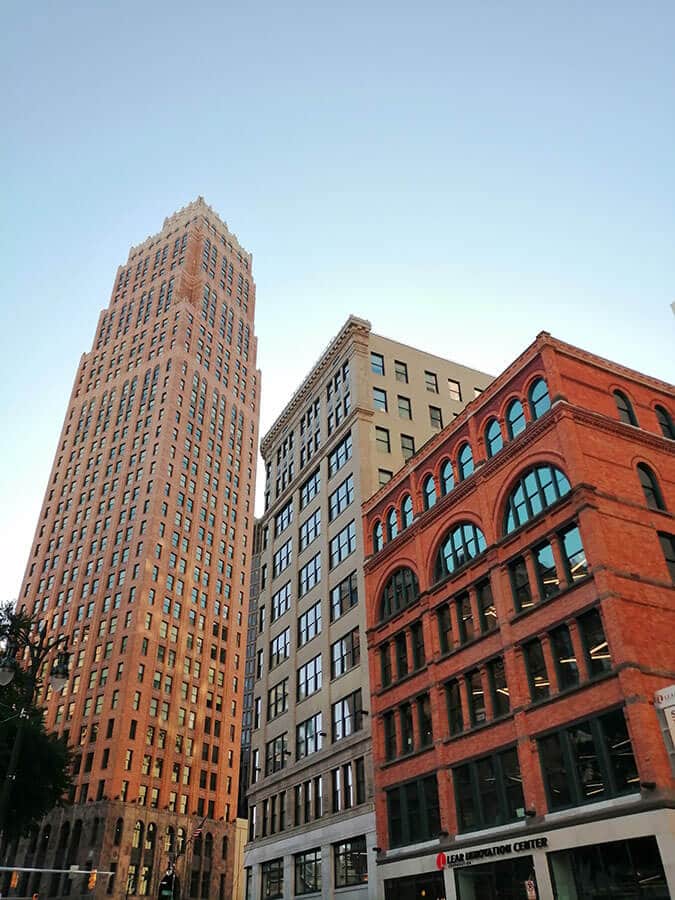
x=401, y=371
x=624, y=408
x=536, y=670
x=392, y=525
x=493, y=438
x=377, y=363
x=621, y=761
x=308, y=872
x=435, y=417
x=500, y=691
x=535, y=490
x=463, y=543
x=565, y=658
x=380, y=399
x=385, y=665
x=454, y=699
x=418, y=654
x=413, y=811
x=350, y=862
x=547, y=575
x=444, y=628
x=554, y=768
x=465, y=618
x=424, y=720
x=272, y=875
x=520, y=584
x=667, y=542
x=488, y=791
x=665, y=422
x=390, y=735
x=595, y=643
x=650, y=487
x=406, y=512
x=404, y=407
x=474, y=686
x=486, y=607
x=539, y=400
x=378, y=537
x=401, y=645
x=515, y=419
x=465, y=462
x=429, y=491
x=406, y=723
x=575, y=556
x=400, y=591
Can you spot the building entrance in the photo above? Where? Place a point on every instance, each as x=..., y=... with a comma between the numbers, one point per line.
x=418, y=887
x=505, y=880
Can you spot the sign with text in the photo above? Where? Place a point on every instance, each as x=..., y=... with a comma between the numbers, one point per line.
x=467, y=857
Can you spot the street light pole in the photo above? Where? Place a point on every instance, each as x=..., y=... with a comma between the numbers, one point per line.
x=19, y=635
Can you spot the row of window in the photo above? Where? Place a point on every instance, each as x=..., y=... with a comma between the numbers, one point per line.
x=584, y=762
x=350, y=867
x=377, y=367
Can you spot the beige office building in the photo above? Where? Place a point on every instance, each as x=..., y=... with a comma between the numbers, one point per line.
x=367, y=405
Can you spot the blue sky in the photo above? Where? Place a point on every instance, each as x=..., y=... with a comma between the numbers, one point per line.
x=463, y=175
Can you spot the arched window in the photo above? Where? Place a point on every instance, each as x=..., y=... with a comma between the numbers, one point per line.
x=665, y=422
x=94, y=831
x=465, y=462
x=515, y=419
x=429, y=491
x=137, y=837
x=180, y=840
x=650, y=487
x=447, y=477
x=406, y=511
x=539, y=399
x=493, y=438
x=400, y=591
x=223, y=850
x=537, y=489
x=392, y=525
x=119, y=830
x=462, y=543
x=169, y=839
x=624, y=408
x=197, y=845
x=150, y=836
x=44, y=841
x=63, y=836
x=208, y=845
x=378, y=540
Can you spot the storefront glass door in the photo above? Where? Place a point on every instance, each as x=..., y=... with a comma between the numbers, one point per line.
x=505, y=880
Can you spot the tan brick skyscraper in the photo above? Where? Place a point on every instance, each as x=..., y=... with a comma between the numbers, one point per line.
x=141, y=557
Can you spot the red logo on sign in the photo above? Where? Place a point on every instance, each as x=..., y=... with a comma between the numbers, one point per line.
x=441, y=861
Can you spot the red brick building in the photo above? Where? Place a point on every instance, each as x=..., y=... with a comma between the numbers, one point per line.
x=520, y=620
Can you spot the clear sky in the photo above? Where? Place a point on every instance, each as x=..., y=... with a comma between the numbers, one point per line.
x=462, y=174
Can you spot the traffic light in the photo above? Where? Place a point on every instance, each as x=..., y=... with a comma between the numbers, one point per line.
x=91, y=884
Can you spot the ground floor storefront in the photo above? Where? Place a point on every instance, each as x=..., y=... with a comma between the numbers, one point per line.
x=621, y=857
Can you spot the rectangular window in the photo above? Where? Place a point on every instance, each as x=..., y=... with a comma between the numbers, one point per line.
x=382, y=441
x=309, y=575
x=379, y=399
x=564, y=657
x=385, y=665
x=454, y=390
x=474, y=686
x=537, y=675
x=401, y=645
x=282, y=558
x=342, y=544
x=407, y=446
x=465, y=618
x=588, y=761
x=341, y=498
x=453, y=698
x=489, y=791
x=308, y=872
x=277, y=700
x=345, y=654
x=377, y=363
x=272, y=876
x=339, y=456
x=343, y=597
x=435, y=418
x=413, y=811
x=431, y=382
x=444, y=628
x=283, y=519
x=308, y=737
x=281, y=601
x=424, y=722
x=501, y=704
x=346, y=716
x=309, y=678
x=404, y=407
x=401, y=371
x=280, y=648
x=276, y=752
x=547, y=576
x=520, y=584
x=595, y=644
x=350, y=862
x=309, y=624
x=486, y=607
x=390, y=735
x=383, y=476
x=310, y=489
x=310, y=529
x=575, y=555
x=417, y=636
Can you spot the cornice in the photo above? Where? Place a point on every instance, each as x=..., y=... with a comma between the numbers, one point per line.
x=353, y=329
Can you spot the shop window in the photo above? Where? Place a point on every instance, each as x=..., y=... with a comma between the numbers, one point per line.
x=272, y=876
x=308, y=872
x=350, y=862
x=588, y=761
x=489, y=791
x=413, y=811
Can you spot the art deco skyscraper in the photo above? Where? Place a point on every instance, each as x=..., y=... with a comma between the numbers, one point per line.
x=141, y=557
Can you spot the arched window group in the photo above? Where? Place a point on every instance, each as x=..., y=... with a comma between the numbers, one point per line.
x=401, y=590
x=535, y=490
x=461, y=544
